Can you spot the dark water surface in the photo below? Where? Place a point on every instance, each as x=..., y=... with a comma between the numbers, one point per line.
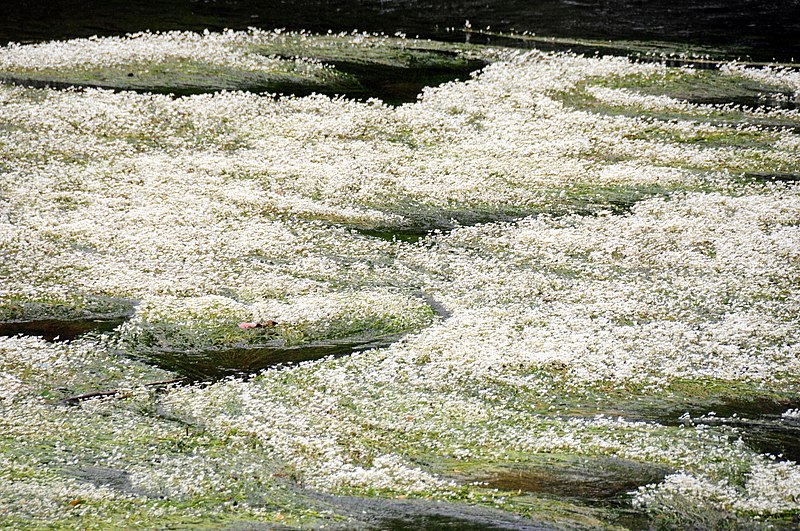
x=212, y=365
x=759, y=30
x=59, y=329
x=393, y=85
x=419, y=515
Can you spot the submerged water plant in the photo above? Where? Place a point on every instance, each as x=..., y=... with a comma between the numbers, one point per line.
x=595, y=268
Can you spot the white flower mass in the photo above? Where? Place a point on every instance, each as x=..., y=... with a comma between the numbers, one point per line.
x=593, y=260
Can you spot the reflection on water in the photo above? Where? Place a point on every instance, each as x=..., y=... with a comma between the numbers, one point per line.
x=761, y=29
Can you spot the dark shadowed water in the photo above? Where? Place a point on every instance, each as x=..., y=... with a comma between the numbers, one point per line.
x=759, y=30
x=58, y=329
x=762, y=30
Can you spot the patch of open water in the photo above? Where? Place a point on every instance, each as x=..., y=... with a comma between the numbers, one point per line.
x=59, y=329
x=759, y=422
x=763, y=30
x=393, y=85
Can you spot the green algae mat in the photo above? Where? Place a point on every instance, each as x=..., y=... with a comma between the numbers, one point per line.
x=562, y=292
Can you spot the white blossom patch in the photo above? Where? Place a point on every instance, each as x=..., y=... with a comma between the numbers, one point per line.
x=582, y=262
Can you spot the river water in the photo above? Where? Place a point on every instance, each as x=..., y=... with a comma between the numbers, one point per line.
x=758, y=30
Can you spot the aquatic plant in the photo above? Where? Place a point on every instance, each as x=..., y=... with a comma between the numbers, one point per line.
x=595, y=262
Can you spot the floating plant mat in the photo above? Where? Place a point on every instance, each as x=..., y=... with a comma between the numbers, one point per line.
x=412, y=515
x=571, y=476
x=187, y=63
x=216, y=364
x=773, y=435
x=606, y=260
x=200, y=339
x=64, y=319
x=728, y=106
x=759, y=420
x=52, y=329
x=598, y=486
x=671, y=53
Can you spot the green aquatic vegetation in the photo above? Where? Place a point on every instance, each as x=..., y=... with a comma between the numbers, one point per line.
x=259, y=61
x=183, y=77
x=656, y=139
x=71, y=306
x=361, y=48
x=577, y=284
x=662, y=113
x=712, y=136
x=719, y=97
x=705, y=86
x=168, y=62
x=119, y=462
x=35, y=368
x=672, y=52
x=197, y=324
x=104, y=481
